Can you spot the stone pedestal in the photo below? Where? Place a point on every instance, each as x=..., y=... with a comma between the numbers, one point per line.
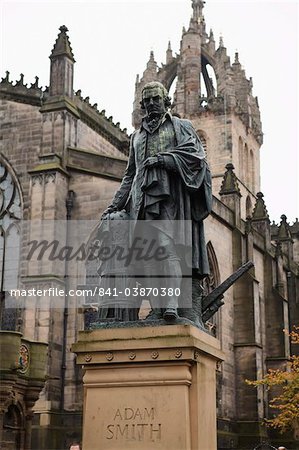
x=149, y=388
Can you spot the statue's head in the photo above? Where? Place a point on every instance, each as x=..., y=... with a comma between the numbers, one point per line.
x=155, y=99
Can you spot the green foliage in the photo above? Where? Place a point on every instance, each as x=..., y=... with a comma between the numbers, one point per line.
x=287, y=402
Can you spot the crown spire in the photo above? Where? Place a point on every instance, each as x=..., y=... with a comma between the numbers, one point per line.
x=197, y=6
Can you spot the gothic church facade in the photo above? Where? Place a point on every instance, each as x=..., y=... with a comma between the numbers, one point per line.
x=61, y=159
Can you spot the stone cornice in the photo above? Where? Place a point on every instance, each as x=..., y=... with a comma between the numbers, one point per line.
x=88, y=161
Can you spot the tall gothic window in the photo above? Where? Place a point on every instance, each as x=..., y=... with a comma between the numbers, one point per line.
x=213, y=324
x=10, y=215
x=251, y=170
x=210, y=283
x=246, y=165
x=240, y=155
x=248, y=206
x=203, y=138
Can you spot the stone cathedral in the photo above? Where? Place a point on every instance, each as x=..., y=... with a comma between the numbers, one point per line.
x=62, y=159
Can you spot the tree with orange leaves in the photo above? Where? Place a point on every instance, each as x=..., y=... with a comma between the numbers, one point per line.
x=287, y=402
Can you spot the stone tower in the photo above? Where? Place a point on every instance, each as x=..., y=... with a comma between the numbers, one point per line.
x=216, y=95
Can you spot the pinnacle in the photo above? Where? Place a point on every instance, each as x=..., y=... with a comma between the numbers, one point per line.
x=230, y=182
x=151, y=62
x=284, y=229
x=260, y=211
x=62, y=46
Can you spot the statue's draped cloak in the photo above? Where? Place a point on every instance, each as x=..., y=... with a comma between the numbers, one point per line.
x=183, y=194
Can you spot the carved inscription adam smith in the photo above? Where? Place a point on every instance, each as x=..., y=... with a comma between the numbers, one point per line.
x=134, y=424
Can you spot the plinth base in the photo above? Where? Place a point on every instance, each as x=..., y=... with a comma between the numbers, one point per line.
x=149, y=388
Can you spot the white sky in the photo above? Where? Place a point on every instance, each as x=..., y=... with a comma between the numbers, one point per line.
x=112, y=40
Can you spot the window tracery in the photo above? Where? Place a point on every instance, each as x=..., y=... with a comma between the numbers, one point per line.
x=10, y=215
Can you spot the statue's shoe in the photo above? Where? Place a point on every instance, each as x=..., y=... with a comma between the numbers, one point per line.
x=170, y=315
x=155, y=314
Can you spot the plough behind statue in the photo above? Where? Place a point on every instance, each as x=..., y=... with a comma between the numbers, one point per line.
x=214, y=300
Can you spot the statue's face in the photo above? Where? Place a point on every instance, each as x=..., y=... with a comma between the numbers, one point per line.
x=153, y=101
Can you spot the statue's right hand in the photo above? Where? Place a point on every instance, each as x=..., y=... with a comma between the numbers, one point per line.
x=107, y=211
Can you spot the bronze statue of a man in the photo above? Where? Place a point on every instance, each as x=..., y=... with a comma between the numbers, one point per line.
x=167, y=178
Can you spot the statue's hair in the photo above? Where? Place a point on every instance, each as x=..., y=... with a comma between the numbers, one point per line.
x=157, y=84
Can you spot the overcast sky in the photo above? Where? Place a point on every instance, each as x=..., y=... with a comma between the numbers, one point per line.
x=112, y=40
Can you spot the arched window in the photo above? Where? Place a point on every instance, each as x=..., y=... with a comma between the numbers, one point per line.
x=248, y=206
x=13, y=428
x=171, y=91
x=246, y=165
x=203, y=137
x=251, y=170
x=213, y=324
x=208, y=83
x=240, y=156
x=210, y=283
x=10, y=215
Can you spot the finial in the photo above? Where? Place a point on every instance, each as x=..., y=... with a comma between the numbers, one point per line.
x=169, y=45
x=184, y=30
x=6, y=78
x=229, y=166
x=63, y=29
x=221, y=44
x=152, y=57
x=35, y=84
x=211, y=37
x=237, y=58
x=21, y=80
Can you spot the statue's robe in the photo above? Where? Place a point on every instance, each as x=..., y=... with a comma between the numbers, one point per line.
x=179, y=191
